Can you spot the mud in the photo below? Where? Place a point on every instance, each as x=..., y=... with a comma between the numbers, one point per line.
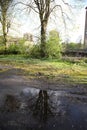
x=39, y=105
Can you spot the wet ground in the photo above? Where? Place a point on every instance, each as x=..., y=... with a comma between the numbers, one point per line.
x=38, y=105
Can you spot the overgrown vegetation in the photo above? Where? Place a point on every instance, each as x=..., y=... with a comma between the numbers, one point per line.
x=53, y=47
x=71, y=46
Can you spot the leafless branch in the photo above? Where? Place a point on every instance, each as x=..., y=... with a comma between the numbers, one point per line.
x=30, y=6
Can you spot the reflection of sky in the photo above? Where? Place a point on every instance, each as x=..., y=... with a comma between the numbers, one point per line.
x=44, y=110
x=73, y=31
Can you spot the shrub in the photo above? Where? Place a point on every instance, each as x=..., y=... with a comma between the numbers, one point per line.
x=71, y=46
x=13, y=49
x=53, y=47
x=35, y=51
x=24, y=46
x=2, y=49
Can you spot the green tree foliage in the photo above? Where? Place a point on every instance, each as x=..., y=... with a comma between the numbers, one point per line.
x=53, y=45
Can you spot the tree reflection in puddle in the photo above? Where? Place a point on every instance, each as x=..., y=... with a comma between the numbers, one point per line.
x=35, y=109
x=41, y=108
x=11, y=103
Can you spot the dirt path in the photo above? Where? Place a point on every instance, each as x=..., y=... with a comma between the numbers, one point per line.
x=14, y=80
x=32, y=104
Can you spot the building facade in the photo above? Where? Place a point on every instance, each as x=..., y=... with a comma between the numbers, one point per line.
x=85, y=33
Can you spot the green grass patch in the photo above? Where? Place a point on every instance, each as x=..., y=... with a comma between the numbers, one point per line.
x=57, y=70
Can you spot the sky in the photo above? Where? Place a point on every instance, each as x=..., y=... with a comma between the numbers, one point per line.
x=74, y=30
x=79, y=13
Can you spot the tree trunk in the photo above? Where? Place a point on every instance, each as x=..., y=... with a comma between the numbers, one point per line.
x=4, y=29
x=43, y=38
x=4, y=36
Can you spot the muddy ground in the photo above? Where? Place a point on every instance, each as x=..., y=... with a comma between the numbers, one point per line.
x=36, y=104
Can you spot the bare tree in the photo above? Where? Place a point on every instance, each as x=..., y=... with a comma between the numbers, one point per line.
x=43, y=8
x=5, y=11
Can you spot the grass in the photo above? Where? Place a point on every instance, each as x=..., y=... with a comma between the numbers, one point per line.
x=62, y=70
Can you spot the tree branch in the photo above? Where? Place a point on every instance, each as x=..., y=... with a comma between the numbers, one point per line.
x=27, y=5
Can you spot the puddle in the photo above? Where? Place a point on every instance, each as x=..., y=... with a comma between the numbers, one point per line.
x=34, y=109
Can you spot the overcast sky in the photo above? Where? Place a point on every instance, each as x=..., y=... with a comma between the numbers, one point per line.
x=74, y=27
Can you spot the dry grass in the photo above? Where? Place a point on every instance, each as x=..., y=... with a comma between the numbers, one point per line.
x=53, y=70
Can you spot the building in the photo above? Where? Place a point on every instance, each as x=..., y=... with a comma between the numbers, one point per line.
x=28, y=37
x=85, y=33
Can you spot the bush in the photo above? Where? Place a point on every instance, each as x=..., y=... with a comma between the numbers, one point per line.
x=71, y=46
x=53, y=48
x=35, y=51
x=24, y=46
x=19, y=48
x=1, y=41
x=13, y=49
x=2, y=49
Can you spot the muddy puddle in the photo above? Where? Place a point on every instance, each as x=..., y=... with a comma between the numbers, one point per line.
x=35, y=109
